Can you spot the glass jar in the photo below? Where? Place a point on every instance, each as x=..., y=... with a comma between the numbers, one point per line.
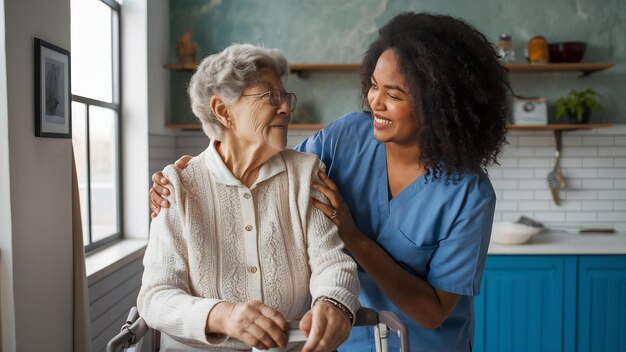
x=538, y=52
x=506, y=54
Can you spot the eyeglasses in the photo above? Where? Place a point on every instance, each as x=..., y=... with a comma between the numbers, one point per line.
x=276, y=98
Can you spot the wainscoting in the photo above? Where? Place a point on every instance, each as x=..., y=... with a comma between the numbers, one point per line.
x=110, y=299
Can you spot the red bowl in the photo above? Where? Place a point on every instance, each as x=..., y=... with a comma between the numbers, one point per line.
x=567, y=51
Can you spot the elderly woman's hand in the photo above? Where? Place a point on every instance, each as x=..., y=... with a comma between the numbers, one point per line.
x=254, y=323
x=158, y=190
x=325, y=326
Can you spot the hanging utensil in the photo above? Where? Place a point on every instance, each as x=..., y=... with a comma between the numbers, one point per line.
x=555, y=178
x=559, y=145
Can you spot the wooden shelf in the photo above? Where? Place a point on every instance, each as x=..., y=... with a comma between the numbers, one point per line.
x=181, y=67
x=319, y=126
x=585, y=68
x=198, y=127
x=559, y=127
x=296, y=68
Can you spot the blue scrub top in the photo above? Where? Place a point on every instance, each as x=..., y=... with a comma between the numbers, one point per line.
x=437, y=229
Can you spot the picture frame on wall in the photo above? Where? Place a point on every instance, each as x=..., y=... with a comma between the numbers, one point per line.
x=53, y=110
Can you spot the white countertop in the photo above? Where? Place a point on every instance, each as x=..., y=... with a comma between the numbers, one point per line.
x=560, y=242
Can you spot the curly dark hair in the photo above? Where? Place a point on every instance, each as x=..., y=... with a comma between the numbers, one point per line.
x=459, y=92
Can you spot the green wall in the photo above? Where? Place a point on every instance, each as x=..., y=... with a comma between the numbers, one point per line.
x=338, y=31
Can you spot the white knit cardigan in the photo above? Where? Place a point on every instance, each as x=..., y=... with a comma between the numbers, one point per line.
x=222, y=241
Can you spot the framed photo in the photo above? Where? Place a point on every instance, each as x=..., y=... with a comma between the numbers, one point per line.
x=53, y=110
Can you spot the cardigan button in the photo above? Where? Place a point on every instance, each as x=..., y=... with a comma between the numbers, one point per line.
x=247, y=195
x=249, y=228
x=252, y=269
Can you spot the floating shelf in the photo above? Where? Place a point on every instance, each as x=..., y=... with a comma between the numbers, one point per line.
x=319, y=126
x=181, y=67
x=198, y=127
x=585, y=68
x=559, y=127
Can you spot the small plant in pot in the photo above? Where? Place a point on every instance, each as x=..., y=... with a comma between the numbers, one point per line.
x=577, y=105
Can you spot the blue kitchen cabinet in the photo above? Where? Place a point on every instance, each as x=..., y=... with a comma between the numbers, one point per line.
x=601, y=324
x=521, y=306
x=552, y=303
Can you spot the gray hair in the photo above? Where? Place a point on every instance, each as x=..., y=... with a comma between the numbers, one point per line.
x=226, y=74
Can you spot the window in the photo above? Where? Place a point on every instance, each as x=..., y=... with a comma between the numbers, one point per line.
x=95, y=43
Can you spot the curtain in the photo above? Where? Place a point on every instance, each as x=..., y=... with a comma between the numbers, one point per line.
x=82, y=328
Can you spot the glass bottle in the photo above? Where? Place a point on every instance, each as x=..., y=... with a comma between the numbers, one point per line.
x=506, y=52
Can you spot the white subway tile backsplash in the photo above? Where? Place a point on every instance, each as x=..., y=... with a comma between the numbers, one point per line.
x=579, y=194
x=549, y=216
x=580, y=151
x=567, y=205
x=531, y=205
x=572, y=140
x=543, y=195
x=517, y=195
x=597, y=184
x=619, y=129
x=620, y=184
x=543, y=151
x=542, y=173
x=612, y=151
x=597, y=205
x=508, y=163
x=534, y=141
x=513, y=152
x=501, y=184
x=518, y=173
x=533, y=184
x=615, y=195
x=612, y=216
x=597, y=162
x=573, y=183
x=525, y=162
x=571, y=162
x=579, y=216
x=576, y=172
x=598, y=140
x=593, y=162
x=616, y=172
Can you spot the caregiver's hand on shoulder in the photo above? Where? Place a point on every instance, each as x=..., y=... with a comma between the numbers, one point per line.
x=337, y=211
x=158, y=190
x=253, y=322
x=325, y=326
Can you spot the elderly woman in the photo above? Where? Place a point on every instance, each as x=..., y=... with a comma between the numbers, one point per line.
x=242, y=250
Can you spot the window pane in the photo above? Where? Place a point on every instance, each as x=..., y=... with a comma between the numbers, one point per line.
x=92, y=55
x=79, y=142
x=103, y=163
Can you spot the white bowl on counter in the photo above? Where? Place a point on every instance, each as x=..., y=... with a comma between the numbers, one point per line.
x=507, y=232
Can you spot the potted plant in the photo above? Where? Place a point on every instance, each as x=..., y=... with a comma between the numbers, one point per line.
x=577, y=105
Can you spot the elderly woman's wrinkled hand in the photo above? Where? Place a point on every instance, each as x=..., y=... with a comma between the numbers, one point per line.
x=325, y=326
x=159, y=191
x=253, y=322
